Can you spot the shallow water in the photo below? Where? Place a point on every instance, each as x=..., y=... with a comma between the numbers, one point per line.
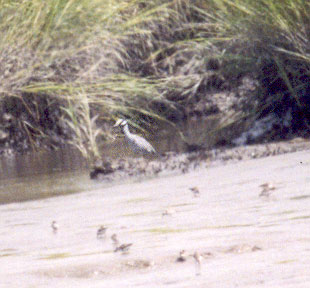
x=42, y=175
x=45, y=174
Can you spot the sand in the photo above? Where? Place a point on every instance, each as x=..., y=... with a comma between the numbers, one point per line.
x=246, y=239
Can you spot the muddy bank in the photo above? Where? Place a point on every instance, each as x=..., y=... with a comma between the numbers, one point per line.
x=171, y=162
x=246, y=239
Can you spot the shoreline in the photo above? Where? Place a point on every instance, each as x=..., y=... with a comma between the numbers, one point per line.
x=245, y=239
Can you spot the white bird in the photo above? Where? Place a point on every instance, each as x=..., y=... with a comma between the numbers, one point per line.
x=137, y=143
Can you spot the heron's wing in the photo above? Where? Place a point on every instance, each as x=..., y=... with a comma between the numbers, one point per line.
x=141, y=144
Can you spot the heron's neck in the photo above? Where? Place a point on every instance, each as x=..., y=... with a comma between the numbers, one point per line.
x=126, y=130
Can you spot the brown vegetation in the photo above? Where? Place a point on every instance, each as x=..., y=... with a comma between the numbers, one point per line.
x=69, y=67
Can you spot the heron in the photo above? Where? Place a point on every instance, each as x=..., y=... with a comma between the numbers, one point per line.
x=137, y=143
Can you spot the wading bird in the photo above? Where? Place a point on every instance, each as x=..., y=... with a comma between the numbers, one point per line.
x=195, y=191
x=101, y=232
x=266, y=189
x=182, y=256
x=54, y=226
x=115, y=241
x=198, y=260
x=137, y=143
x=124, y=248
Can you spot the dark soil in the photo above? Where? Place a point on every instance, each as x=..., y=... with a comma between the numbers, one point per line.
x=172, y=162
x=36, y=121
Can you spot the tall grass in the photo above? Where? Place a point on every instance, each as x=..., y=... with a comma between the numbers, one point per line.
x=140, y=59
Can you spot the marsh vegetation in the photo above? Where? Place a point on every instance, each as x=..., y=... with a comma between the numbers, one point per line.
x=70, y=68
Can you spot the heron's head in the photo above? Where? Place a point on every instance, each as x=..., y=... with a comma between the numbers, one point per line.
x=120, y=122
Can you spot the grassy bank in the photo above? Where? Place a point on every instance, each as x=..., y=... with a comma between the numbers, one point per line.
x=69, y=67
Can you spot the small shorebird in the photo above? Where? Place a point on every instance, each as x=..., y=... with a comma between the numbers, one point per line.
x=182, y=256
x=101, y=233
x=124, y=247
x=115, y=241
x=266, y=188
x=54, y=226
x=195, y=190
x=198, y=260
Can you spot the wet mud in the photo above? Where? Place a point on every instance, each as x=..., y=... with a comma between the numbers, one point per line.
x=243, y=237
x=171, y=162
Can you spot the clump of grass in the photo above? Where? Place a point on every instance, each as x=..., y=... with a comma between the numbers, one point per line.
x=275, y=35
x=149, y=60
x=84, y=127
x=65, y=49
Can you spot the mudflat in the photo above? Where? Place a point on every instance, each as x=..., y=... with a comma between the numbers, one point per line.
x=247, y=235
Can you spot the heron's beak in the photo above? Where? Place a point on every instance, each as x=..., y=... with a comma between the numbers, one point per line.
x=118, y=122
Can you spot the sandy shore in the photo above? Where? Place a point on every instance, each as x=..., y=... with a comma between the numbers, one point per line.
x=247, y=239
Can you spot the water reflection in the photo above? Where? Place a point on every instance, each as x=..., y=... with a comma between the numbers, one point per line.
x=49, y=173
x=42, y=174
x=42, y=162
